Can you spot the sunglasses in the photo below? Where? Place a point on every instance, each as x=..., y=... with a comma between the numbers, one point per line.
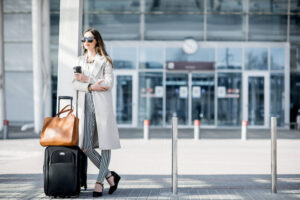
x=89, y=39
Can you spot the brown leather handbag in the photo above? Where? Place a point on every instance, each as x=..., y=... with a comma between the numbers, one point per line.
x=60, y=131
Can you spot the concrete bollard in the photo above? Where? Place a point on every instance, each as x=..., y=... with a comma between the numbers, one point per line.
x=244, y=130
x=146, y=129
x=196, y=129
x=5, y=129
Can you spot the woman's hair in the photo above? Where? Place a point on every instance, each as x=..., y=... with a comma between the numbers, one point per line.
x=100, y=46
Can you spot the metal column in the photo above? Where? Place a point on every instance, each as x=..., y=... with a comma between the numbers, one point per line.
x=274, y=153
x=37, y=64
x=2, y=73
x=174, y=155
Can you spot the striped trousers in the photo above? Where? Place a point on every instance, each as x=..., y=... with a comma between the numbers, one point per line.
x=100, y=161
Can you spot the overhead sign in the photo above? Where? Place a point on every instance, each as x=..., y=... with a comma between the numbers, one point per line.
x=191, y=66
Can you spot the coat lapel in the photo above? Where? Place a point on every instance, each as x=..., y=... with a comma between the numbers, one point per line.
x=99, y=61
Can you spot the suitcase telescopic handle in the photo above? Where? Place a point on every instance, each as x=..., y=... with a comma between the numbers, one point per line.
x=64, y=97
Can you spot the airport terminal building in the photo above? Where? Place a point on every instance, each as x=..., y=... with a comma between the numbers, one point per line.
x=216, y=61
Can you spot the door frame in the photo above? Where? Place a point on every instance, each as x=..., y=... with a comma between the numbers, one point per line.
x=133, y=74
x=245, y=102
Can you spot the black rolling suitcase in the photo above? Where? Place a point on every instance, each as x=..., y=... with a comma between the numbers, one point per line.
x=65, y=169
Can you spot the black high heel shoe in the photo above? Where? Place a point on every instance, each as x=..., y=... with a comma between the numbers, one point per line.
x=117, y=178
x=98, y=194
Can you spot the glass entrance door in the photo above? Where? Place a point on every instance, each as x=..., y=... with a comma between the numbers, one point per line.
x=125, y=98
x=177, y=98
x=255, y=99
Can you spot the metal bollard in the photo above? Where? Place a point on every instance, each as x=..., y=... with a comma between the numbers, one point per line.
x=244, y=130
x=196, y=129
x=174, y=155
x=146, y=129
x=274, y=153
x=5, y=129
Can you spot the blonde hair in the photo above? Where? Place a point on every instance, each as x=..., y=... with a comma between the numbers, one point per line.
x=100, y=46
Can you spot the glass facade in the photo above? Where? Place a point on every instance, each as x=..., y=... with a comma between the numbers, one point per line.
x=256, y=99
x=203, y=95
x=225, y=27
x=142, y=36
x=151, y=58
x=229, y=99
x=178, y=98
x=124, y=99
x=229, y=58
x=18, y=61
x=256, y=59
x=124, y=57
x=213, y=96
x=150, y=98
x=277, y=98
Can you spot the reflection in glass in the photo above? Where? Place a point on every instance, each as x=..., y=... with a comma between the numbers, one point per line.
x=277, y=98
x=256, y=100
x=295, y=96
x=174, y=5
x=224, y=6
x=202, y=54
x=295, y=27
x=295, y=57
x=273, y=6
x=277, y=58
x=20, y=94
x=177, y=97
x=54, y=31
x=225, y=27
x=17, y=27
x=124, y=57
x=151, y=58
x=256, y=58
x=110, y=26
x=203, y=98
x=229, y=99
x=267, y=27
x=124, y=99
x=54, y=59
x=112, y=6
x=229, y=58
x=173, y=27
x=17, y=6
x=54, y=5
x=295, y=6
x=151, y=98
x=22, y=51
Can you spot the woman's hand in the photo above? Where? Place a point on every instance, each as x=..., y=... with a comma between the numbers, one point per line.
x=97, y=87
x=81, y=77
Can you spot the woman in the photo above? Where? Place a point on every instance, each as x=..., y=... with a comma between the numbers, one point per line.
x=97, y=123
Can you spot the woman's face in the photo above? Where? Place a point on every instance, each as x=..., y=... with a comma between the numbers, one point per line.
x=87, y=45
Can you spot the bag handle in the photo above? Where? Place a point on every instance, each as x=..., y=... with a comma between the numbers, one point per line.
x=63, y=110
x=69, y=110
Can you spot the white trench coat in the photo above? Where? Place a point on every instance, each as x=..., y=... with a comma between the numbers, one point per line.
x=106, y=126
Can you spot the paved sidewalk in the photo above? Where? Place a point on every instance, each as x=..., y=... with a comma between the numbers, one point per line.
x=209, y=169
